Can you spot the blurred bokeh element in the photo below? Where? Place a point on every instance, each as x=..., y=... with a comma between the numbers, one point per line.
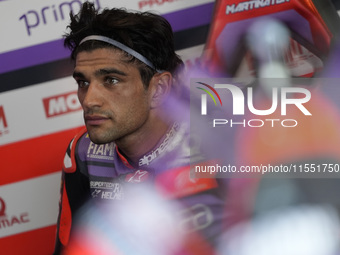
x=143, y=224
x=303, y=230
x=268, y=40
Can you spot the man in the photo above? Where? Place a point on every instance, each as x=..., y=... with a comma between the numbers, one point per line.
x=127, y=75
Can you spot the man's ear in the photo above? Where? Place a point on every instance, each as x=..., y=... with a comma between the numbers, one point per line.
x=160, y=88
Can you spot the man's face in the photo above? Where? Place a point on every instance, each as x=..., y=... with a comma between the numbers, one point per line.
x=111, y=92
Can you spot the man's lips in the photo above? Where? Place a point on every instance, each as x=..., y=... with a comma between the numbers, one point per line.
x=95, y=120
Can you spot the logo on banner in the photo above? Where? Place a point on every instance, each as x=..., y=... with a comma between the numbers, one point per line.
x=3, y=122
x=250, y=5
x=54, y=13
x=7, y=221
x=2, y=208
x=279, y=97
x=61, y=104
x=151, y=3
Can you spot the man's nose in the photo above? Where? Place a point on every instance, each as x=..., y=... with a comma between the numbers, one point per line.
x=93, y=96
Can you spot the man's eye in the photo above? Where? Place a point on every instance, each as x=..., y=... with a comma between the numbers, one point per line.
x=82, y=83
x=111, y=81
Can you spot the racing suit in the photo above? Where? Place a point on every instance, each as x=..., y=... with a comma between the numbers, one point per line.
x=100, y=173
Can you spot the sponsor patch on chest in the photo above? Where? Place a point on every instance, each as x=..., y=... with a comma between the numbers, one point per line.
x=107, y=190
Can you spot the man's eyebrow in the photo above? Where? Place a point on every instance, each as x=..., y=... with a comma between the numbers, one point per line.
x=78, y=75
x=105, y=71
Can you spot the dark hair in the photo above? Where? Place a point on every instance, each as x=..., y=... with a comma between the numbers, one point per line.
x=147, y=33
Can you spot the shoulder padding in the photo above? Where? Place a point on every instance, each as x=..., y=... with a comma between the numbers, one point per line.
x=69, y=165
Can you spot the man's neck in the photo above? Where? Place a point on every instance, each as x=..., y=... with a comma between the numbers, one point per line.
x=135, y=146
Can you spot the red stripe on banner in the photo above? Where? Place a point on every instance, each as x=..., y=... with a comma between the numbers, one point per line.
x=34, y=157
x=39, y=241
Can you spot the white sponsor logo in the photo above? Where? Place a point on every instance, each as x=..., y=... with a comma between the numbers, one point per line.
x=102, y=151
x=138, y=176
x=147, y=159
x=107, y=190
x=250, y=5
